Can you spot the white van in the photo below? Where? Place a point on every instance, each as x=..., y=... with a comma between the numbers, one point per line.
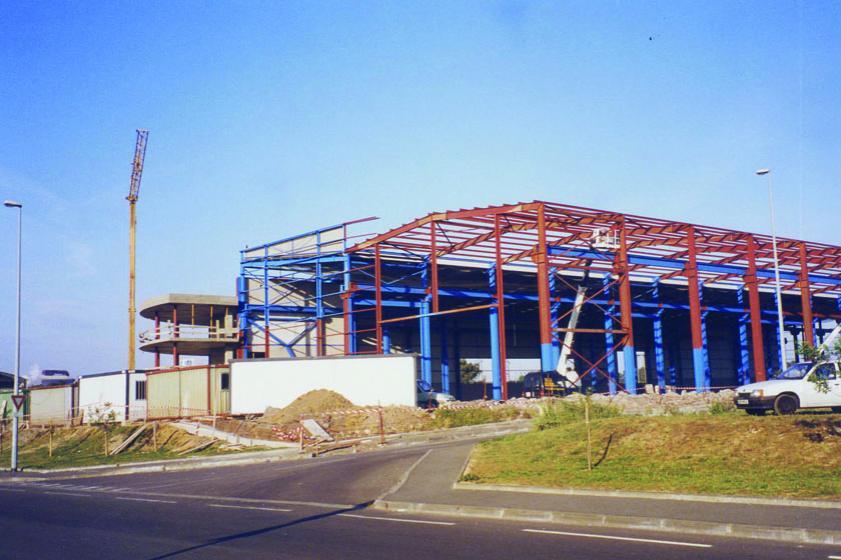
x=793, y=389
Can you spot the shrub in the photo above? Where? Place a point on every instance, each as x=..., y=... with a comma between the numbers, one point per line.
x=556, y=414
x=722, y=407
x=455, y=417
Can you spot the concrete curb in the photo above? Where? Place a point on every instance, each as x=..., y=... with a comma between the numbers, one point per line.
x=782, y=534
x=706, y=498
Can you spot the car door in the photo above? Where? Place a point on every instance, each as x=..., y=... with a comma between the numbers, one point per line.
x=813, y=397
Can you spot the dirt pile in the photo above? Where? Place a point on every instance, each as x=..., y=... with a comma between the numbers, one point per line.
x=311, y=403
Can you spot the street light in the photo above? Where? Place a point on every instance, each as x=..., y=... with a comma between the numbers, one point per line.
x=767, y=173
x=19, y=206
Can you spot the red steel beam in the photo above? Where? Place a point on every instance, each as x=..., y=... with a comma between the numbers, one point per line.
x=755, y=313
x=694, y=303
x=625, y=291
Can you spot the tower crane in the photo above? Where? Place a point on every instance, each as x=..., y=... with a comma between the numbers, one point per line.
x=133, y=193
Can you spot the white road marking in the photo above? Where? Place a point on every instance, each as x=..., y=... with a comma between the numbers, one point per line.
x=614, y=538
x=69, y=494
x=147, y=500
x=834, y=557
x=247, y=507
x=395, y=519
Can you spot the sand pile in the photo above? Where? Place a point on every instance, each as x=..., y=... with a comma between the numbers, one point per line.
x=314, y=402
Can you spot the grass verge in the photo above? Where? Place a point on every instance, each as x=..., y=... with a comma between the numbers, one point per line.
x=733, y=454
x=85, y=446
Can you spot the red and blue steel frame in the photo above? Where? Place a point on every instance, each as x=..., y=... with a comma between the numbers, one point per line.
x=528, y=235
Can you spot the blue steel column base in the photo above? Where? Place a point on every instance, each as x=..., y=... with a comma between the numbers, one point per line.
x=630, y=359
x=547, y=354
x=699, y=369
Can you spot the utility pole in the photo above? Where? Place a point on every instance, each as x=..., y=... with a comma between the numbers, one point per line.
x=133, y=194
x=16, y=390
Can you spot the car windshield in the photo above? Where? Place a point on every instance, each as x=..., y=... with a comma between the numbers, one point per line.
x=795, y=371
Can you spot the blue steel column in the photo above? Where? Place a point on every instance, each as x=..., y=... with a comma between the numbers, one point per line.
x=496, y=369
x=457, y=360
x=386, y=341
x=609, y=346
x=744, y=351
x=554, y=314
x=445, y=359
x=659, y=357
x=242, y=317
x=425, y=330
x=319, y=300
x=705, y=344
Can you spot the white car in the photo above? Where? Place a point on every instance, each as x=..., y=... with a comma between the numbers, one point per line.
x=794, y=389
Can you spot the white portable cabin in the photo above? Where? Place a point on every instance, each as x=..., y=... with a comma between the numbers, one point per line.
x=53, y=404
x=121, y=393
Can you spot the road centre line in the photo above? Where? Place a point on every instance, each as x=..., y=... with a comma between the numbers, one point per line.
x=615, y=538
x=247, y=507
x=146, y=500
x=396, y=519
x=68, y=494
x=834, y=557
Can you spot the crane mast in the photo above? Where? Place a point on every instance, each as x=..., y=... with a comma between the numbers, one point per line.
x=133, y=194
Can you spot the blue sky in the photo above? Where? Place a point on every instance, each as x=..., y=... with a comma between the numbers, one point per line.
x=271, y=118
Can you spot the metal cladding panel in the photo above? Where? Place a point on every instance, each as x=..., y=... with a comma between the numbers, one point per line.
x=162, y=394
x=364, y=380
x=101, y=395
x=193, y=392
x=51, y=405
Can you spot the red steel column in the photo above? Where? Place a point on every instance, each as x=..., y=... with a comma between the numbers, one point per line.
x=626, y=311
x=806, y=297
x=546, y=351
x=500, y=303
x=695, y=312
x=378, y=291
x=157, y=337
x=176, y=359
x=433, y=266
x=755, y=313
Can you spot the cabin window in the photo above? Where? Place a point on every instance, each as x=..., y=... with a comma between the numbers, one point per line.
x=226, y=381
x=140, y=390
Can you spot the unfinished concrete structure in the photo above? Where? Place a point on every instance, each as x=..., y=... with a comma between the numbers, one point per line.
x=190, y=325
x=655, y=301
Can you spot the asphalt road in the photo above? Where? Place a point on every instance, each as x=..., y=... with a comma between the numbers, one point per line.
x=307, y=509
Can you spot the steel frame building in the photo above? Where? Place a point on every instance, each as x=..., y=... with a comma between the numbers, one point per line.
x=660, y=297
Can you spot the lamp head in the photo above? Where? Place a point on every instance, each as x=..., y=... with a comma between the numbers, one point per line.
x=12, y=204
x=763, y=171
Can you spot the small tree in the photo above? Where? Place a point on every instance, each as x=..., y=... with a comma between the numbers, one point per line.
x=821, y=354
x=469, y=371
x=104, y=417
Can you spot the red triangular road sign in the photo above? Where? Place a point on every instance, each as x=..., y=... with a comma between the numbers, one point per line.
x=17, y=400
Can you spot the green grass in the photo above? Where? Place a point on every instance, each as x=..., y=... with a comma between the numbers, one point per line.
x=723, y=453
x=84, y=446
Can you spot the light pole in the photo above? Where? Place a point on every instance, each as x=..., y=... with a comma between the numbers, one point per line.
x=783, y=361
x=19, y=206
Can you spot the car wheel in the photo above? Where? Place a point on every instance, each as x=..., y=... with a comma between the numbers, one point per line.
x=786, y=404
x=755, y=411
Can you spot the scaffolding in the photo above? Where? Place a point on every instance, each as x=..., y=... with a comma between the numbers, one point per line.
x=327, y=293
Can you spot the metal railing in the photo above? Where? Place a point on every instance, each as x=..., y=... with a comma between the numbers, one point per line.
x=202, y=332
